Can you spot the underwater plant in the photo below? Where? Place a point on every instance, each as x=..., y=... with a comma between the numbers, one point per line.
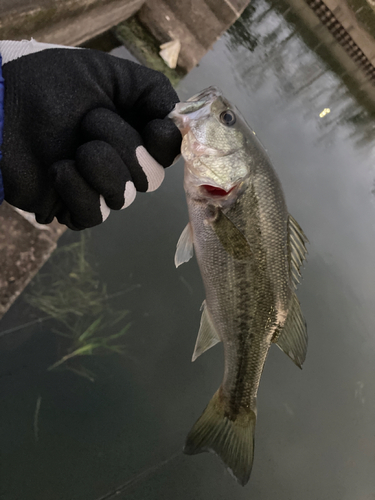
x=70, y=293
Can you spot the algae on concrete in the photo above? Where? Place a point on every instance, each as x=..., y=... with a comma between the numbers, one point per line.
x=104, y=42
x=145, y=48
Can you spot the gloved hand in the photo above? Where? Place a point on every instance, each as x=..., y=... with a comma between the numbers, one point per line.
x=83, y=130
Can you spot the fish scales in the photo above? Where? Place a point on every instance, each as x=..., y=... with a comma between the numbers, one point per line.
x=243, y=297
x=239, y=228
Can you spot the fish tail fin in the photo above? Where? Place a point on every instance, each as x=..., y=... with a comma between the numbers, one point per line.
x=231, y=439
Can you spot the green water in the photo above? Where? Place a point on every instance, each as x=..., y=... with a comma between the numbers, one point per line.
x=65, y=437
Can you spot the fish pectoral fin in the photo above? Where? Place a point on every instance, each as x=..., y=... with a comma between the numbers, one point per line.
x=297, y=249
x=207, y=335
x=233, y=241
x=293, y=337
x=185, y=249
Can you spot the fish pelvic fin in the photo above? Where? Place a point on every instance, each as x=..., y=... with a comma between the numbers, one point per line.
x=207, y=335
x=231, y=438
x=293, y=337
x=185, y=246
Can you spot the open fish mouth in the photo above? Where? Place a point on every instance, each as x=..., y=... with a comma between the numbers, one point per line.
x=215, y=191
x=194, y=108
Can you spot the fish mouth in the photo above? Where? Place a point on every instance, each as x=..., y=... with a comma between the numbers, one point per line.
x=220, y=196
x=215, y=191
x=194, y=108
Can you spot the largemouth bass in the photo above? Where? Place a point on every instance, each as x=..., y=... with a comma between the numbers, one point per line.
x=250, y=251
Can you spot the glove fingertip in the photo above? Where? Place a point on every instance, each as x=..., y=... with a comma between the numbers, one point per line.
x=154, y=171
x=104, y=209
x=129, y=194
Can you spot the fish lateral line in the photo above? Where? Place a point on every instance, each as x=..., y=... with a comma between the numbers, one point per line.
x=231, y=238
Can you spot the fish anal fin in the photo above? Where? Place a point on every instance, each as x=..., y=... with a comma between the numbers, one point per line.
x=297, y=249
x=231, y=439
x=233, y=241
x=293, y=337
x=185, y=249
x=207, y=335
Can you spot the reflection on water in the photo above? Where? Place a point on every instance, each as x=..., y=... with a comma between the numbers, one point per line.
x=315, y=436
x=288, y=57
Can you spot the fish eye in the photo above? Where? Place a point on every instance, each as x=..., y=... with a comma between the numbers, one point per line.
x=228, y=117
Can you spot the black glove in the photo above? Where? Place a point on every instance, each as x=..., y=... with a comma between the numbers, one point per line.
x=79, y=129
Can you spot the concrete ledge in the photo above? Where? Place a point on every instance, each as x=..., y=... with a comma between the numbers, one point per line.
x=68, y=22
x=23, y=251
x=145, y=48
x=196, y=23
x=164, y=26
x=89, y=24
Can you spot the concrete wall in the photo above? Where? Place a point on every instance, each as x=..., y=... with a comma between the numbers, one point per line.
x=23, y=250
x=196, y=23
x=66, y=22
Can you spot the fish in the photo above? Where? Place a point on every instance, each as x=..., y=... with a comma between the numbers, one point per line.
x=250, y=252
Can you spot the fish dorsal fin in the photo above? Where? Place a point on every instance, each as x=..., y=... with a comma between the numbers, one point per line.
x=297, y=250
x=233, y=241
x=207, y=335
x=293, y=337
x=185, y=249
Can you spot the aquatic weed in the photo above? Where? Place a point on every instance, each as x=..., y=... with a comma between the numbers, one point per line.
x=71, y=293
